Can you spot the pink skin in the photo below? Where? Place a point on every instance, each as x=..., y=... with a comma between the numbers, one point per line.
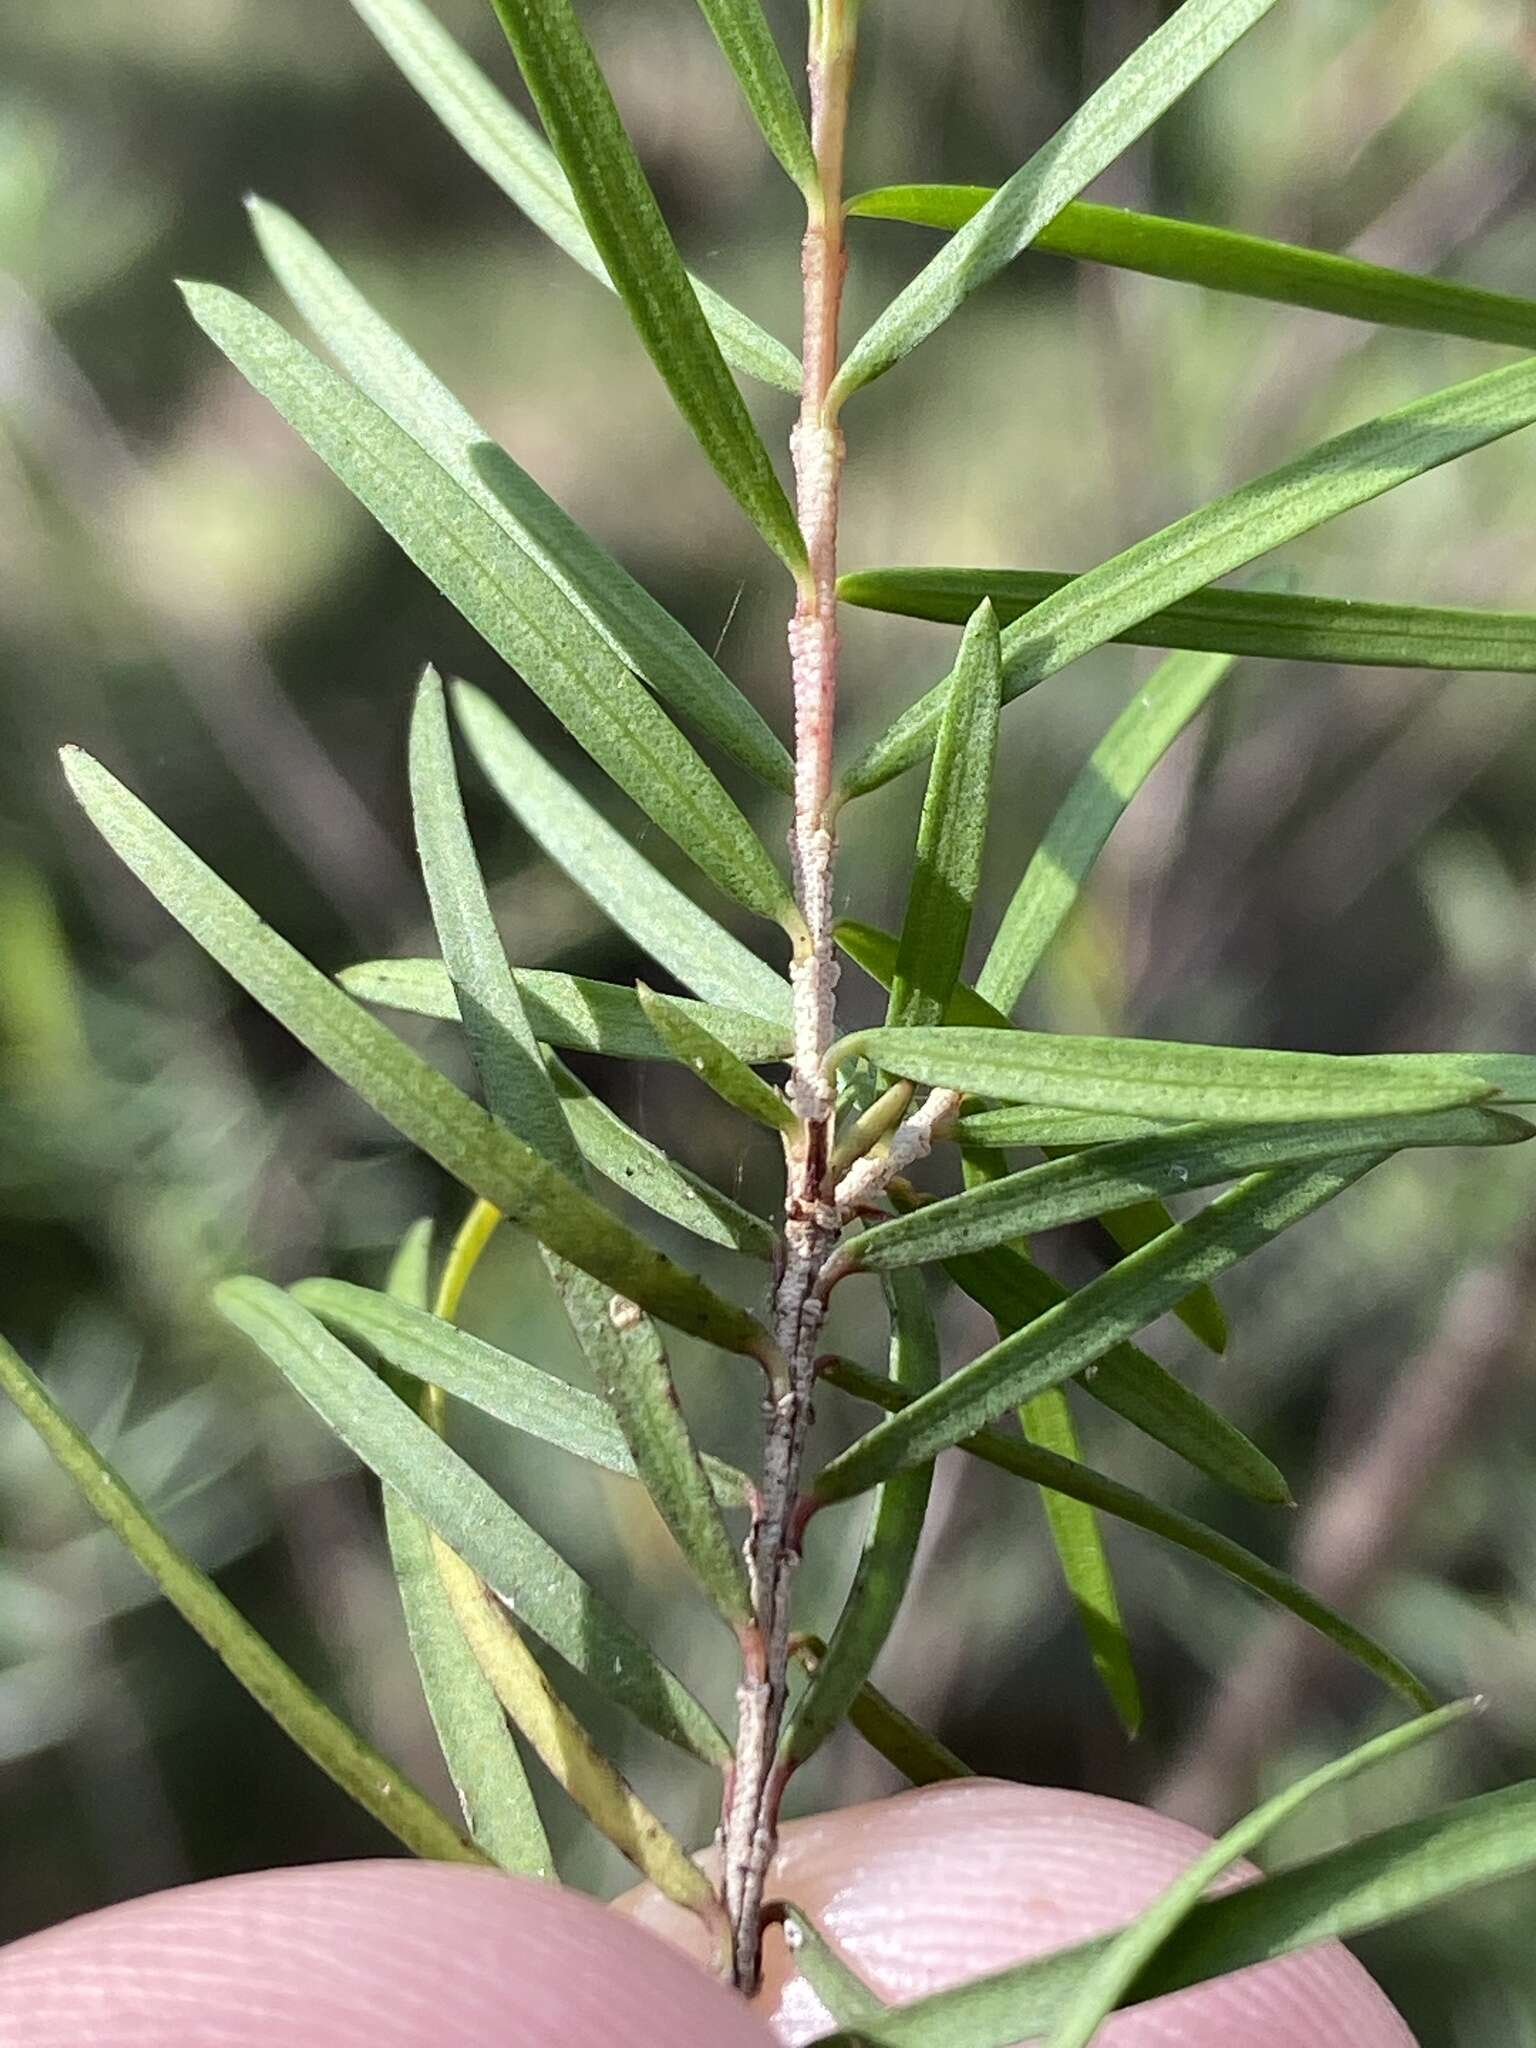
x=917, y=1892
x=362, y=1955
x=930, y=1888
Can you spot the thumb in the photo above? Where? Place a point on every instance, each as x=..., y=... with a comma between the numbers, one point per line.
x=362, y=1955
x=931, y=1888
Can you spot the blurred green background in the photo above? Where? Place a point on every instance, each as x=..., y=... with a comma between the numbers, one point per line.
x=1335, y=858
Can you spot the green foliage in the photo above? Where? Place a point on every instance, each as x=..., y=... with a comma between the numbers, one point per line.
x=1221, y=261
x=1276, y=625
x=639, y=255
x=1126, y=1124
x=1350, y=469
x=1164, y=68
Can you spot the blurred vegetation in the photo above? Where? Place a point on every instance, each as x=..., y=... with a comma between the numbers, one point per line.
x=1340, y=859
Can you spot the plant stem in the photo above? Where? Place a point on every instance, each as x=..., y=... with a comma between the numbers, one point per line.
x=811, y=1222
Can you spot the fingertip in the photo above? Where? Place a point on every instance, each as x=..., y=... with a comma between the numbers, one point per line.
x=362, y=1955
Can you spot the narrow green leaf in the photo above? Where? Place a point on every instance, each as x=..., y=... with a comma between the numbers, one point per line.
x=1079, y=1542
x=578, y=1766
x=324, y=1737
x=952, y=835
x=498, y=1383
x=505, y=596
x=642, y=903
x=1156, y=74
x=1093, y=806
x=1125, y=1504
x=1249, y=265
x=1200, y=1311
x=1126, y=1380
x=467, y=1718
x=1080, y=1329
x=472, y=1519
x=1348, y=470
x=1107, y=1177
x=1137, y=1224
x=1027, y=1125
x=471, y=1728
x=638, y=253
x=920, y=1757
x=515, y=1081
x=619, y=1343
x=744, y=35
x=1113, y=1974
x=890, y=1545
x=496, y=137
x=635, y=1379
x=695, y=1047
x=1155, y=1078
x=565, y=1010
x=1275, y=625
x=1386, y=1877
x=1513, y=1074
x=645, y=1172
x=642, y=633
x=421, y=1104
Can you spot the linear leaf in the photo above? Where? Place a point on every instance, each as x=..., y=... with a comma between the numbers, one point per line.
x=642, y=633
x=1135, y=1946
x=1075, y=1332
x=471, y=1729
x=517, y=1087
x=1085, y=1184
x=1137, y=1224
x=498, y=1383
x=642, y=903
x=1348, y=470
x=1200, y=1311
x=1513, y=1074
x=694, y=1046
x=645, y=1172
x=890, y=1545
x=1024, y=1124
x=514, y=156
x=635, y=1379
x=1151, y=1077
x=952, y=835
x=1276, y=625
x=1386, y=1877
x=565, y=1010
x=1079, y=1542
x=1156, y=74
x=504, y=594
x=1249, y=265
x=470, y=1516
x=638, y=253
x=920, y=1757
x=743, y=34
x=1126, y=1380
x=568, y=1752
x=421, y=1104
x=345, y=1757
x=1125, y=1504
